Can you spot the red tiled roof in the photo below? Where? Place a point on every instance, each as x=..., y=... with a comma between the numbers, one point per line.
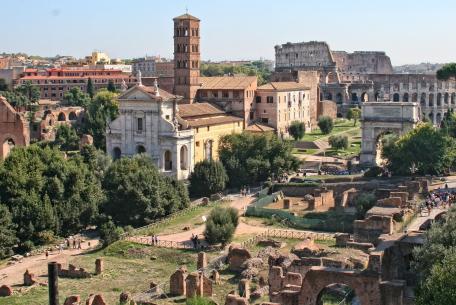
x=217, y=120
x=284, y=86
x=256, y=127
x=227, y=82
x=198, y=109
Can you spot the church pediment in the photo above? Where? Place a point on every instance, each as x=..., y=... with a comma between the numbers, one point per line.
x=136, y=94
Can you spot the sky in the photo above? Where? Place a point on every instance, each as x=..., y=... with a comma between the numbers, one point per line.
x=409, y=31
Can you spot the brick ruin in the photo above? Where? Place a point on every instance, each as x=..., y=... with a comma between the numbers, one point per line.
x=73, y=272
x=183, y=283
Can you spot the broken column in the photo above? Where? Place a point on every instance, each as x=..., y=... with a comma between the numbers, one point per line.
x=177, y=281
x=244, y=288
x=99, y=266
x=53, y=283
x=202, y=261
x=29, y=278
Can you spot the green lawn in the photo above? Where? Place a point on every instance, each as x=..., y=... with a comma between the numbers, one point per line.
x=340, y=126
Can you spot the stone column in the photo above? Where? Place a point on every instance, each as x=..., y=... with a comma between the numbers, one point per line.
x=244, y=288
x=202, y=260
x=98, y=266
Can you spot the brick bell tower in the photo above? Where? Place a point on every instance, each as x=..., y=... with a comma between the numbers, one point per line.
x=186, y=57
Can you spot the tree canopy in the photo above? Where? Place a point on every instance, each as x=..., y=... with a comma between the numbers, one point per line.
x=76, y=97
x=424, y=150
x=354, y=114
x=90, y=89
x=46, y=192
x=137, y=193
x=208, y=177
x=326, y=124
x=32, y=92
x=66, y=138
x=103, y=109
x=220, y=225
x=297, y=130
x=256, y=68
x=447, y=71
x=15, y=98
x=250, y=158
x=338, y=141
x=7, y=232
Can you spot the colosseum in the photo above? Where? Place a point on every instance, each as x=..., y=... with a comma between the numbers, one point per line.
x=350, y=79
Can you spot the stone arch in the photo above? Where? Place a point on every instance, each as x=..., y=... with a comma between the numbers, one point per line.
x=446, y=98
x=396, y=97
x=61, y=117
x=116, y=153
x=140, y=149
x=331, y=77
x=350, y=296
x=364, y=97
x=168, y=161
x=423, y=99
x=405, y=97
x=339, y=115
x=354, y=97
x=431, y=100
x=72, y=116
x=439, y=99
x=184, y=157
x=329, y=96
x=7, y=145
x=365, y=286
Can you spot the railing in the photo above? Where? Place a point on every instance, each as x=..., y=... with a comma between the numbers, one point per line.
x=288, y=234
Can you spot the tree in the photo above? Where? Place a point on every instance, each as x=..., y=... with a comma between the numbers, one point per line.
x=111, y=86
x=250, y=158
x=7, y=232
x=208, y=177
x=447, y=71
x=137, y=194
x=363, y=203
x=75, y=97
x=109, y=233
x=66, y=138
x=440, y=287
x=15, y=98
x=45, y=191
x=338, y=142
x=32, y=92
x=326, y=124
x=3, y=85
x=423, y=150
x=103, y=109
x=220, y=225
x=90, y=89
x=297, y=130
x=448, y=124
x=354, y=114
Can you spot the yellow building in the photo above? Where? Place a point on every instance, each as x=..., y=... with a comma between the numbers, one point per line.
x=99, y=57
x=208, y=124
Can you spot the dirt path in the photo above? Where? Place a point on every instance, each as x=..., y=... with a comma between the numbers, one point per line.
x=37, y=264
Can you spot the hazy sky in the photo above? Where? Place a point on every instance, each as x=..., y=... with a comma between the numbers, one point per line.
x=409, y=31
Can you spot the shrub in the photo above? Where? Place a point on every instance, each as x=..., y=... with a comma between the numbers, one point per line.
x=199, y=301
x=220, y=225
x=372, y=172
x=297, y=130
x=326, y=124
x=208, y=177
x=109, y=233
x=363, y=203
x=338, y=142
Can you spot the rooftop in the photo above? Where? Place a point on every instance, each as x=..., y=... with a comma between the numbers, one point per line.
x=256, y=127
x=227, y=82
x=284, y=86
x=198, y=109
x=185, y=17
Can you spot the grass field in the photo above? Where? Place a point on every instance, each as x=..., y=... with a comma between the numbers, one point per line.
x=340, y=127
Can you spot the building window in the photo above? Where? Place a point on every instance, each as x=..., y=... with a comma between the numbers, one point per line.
x=168, y=161
x=270, y=99
x=258, y=99
x=197, y=143
x=139, y=124
x=264, y=120
x=183, y=157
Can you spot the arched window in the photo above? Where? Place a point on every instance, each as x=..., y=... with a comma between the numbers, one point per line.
x=354, y=97
x=446, y=98
x=184, y=157
x=61, y=117
x=116, y=153
x=405, y=97
x=453, y=98
x=439, y=99
x=329, y=96
x=140, y=149
x=414, y=97
x=72, y=116
x=423, y=99
x=364, y=97
x=168, y=161
x=431, y=100
x=339, y=99
x=396, y=97
x=377, y=96
x=208, y=149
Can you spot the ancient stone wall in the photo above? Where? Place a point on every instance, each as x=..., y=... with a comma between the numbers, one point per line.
x=363, y=62
x=327, y=108
x=14, y=129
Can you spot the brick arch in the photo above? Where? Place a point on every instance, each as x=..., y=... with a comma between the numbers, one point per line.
x=366, y=286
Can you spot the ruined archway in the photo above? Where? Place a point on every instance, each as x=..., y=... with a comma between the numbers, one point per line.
x=61, y=117
x=405, y=97
x=385, y=117
x=364, y=97
x=72, y=116
x=337, y=294
x=366, y=287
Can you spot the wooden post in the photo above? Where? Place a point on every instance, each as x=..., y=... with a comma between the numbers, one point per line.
x=53, y=283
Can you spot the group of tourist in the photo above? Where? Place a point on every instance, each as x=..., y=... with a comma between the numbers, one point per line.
x=438, y=199
x=245, y=191
x=195, y=241
x=154, y=239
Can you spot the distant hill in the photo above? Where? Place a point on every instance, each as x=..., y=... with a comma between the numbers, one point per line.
x=426, y=68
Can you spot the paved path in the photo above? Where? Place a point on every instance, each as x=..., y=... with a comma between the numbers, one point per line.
x=37, y=264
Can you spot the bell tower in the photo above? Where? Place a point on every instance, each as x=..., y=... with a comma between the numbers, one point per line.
x=186, y=57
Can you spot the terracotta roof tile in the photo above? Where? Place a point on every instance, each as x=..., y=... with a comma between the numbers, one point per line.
x=217, y=120
x=186, y=16
x=284, y=86
x=228, y=82
x=198, y=109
